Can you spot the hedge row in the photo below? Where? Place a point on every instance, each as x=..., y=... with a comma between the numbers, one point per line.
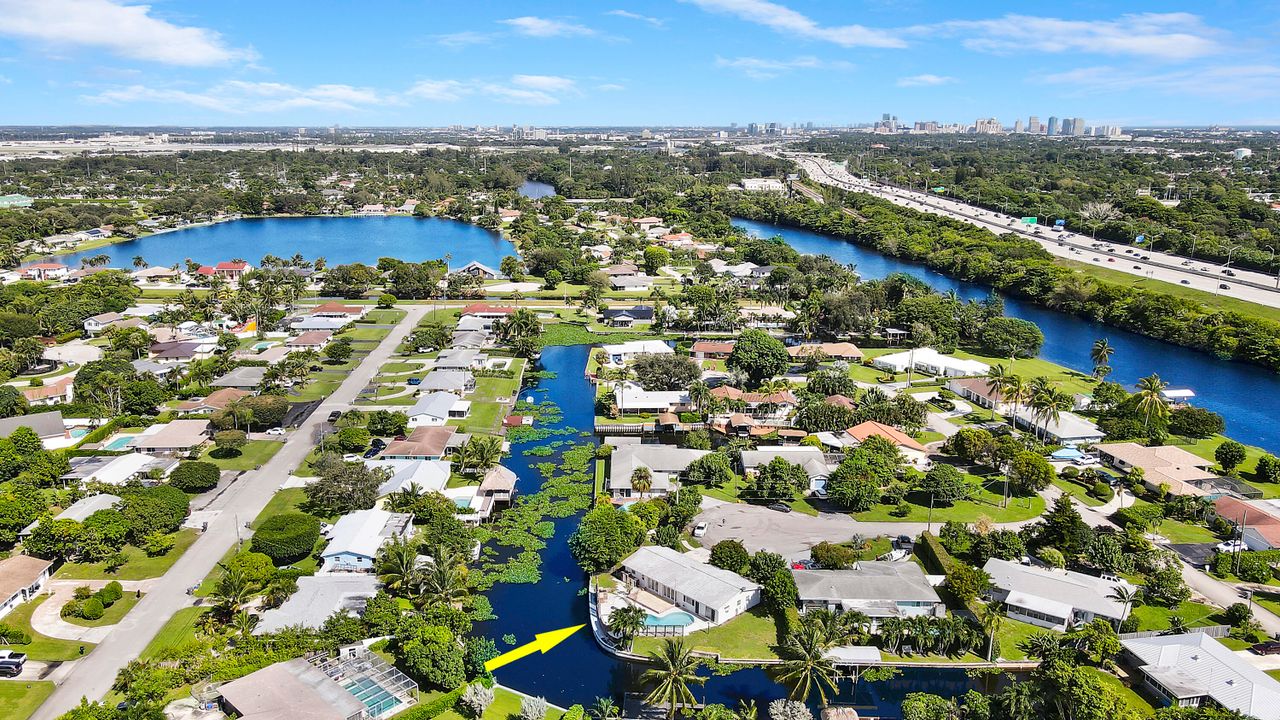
x=287, y=537
x=433, y=708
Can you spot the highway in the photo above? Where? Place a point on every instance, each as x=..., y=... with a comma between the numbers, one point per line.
x=1201, y=275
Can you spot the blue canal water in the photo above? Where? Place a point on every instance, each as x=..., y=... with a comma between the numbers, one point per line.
x=533, y=189
x=1243, y=394
x=337, y=239
x=578, y=671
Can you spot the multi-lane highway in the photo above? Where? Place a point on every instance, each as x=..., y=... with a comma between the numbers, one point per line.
x=1197, y=274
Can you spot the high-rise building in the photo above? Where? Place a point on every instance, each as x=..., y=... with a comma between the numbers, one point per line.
x=1053, y=125
x=987, y=126
x=1033, y=125
x=1077, y=126
x=1067, y=127
x=1017, y=125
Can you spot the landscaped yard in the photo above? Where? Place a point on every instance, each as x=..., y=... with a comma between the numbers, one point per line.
x=368, y=334
x=20, y=698
x=316, y=390
x=985, y=502
x=253, y=454
x=180, y=629
x=41, y=647
x=1011, y=634
x=139, y=567
x=1078, y=492
x=1131, y=698
x=1155, y=617
x=1181, y=532
x=506, y=706
x=1206, y=447
x=111, y=615
x=750, y=635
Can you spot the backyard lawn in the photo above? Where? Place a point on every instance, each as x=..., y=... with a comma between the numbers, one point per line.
x=1155, y=617
x=41, y=647
x=367, y=334
x=20, y=698
x=1181, y=532
x=1011, y=634
x=139, y=567
x=985, y=502
x=506, y=706
x=1131, y=698
x=253, y=454
x=111, y=615
x=751, y=635
x=316, y=390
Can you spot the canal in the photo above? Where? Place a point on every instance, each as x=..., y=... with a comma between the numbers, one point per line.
x=1235, y=390
x=578, y=670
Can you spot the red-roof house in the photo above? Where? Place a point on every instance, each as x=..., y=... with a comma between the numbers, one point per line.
x=232, y=270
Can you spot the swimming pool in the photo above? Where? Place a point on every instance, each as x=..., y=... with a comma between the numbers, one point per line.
x=262, y=346
x=375, y=697
x=678, y=618
x=462, y=502
x=120, y=443
x=79, y=432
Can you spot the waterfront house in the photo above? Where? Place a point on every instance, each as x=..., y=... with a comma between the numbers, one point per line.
x=310, y=340
x=317, y=598
x=437, y=408
x=176, y=436
x=980, y=392
x=879, y=590
x=357, y=537
x=232, y=270
x=51, y=393
x=21, y=578
x=709, y=592
x=1053, y=598
x=498, y=486
x=631, y=282
x=45, y=271
x=768, y=317
x=666, y=465
x=98, y=233
x=1180, y=471
x=762, y=406
x=623, y=353
x=48, y=426
x=711, y=349
x=428, y=475
x=630, y=398
x=426, y=443
x=1195, y=670
x=1067, y=429
x=219, y=399
x=930, y=361
x=479, y=270
x=627, y=317
x=830, y=350
x=458, y=382
x=472, y=340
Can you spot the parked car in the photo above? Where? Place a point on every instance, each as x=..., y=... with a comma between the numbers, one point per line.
x=351, y=457
x=895, y=556
x=780, y=507
x=700, y=529
x=905, y=542
x=1185, y=281
x=1270, y=647
x=378, y=443
x=400, y=438
x=1231, y=546
x=415, y=381
x=335, y=416
x=371, y=452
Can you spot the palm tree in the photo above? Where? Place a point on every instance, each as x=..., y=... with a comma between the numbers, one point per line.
x=232, y=592
x=642, y=480
x=1018, y=701
x=675, y=669
x=444, y=580
x=991, y=619
x=482, y=452
x=1015, y=391
x=699, y=394
x=1177, y=626
x=243, y=623
x=604, y=709
x=806, y=666
x=1151, y=400
x=997, y=377
x=1041, y=645
x=398, y=566
x=139, y=262
x=627, y=622
x=1124, y=594
x=1101, y=354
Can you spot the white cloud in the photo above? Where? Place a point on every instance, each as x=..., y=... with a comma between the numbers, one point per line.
x=611, y=87
x=463, y=39
x=925, y=80
x=237, y=97
x=550, y=83
x=1161, y=36
x=546, y=27
x=518, y=90
x=129, y=31
x=652, y=21
x=788, y=21
x=438, y=90
x=765, y=68
x=1243, y=82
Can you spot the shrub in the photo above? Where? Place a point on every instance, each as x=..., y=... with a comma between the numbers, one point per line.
x=91, y=609
x=575, y=712
x=110, y=593
x=533, y=708
x=832, y=556
x=1237, y=614
x=433, y=708
x=1102, y=491
x=730, y=555
x=157, y=544
x=476, y=698
x=195, y=477
x=287, y=537
x=10, y=635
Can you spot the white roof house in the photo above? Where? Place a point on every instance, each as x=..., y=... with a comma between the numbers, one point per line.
x=705, y=590
x=429, y=475
x=80, y=510
x=455, y=381
x=631, y=398
x=1068, y=429
x=876, y=589
x=622, y=353
x=436, y=408
x=931, y=361
x=1188, y=669
x=665, y=463
x=356, y=538
x=1052, y=598
x=811, y=459
x=124, y=468
x=318, y=597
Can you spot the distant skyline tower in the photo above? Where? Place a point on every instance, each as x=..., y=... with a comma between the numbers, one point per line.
x=1033, y=125
x=1067, y=127
x=1053, y=125
x=1017, y=125
x=1077, y=126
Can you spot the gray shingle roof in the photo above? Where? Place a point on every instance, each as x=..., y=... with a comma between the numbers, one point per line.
x=662, y=460
x=45, y=424
x=897, y=581
x=1084, y=592
x=318, y=597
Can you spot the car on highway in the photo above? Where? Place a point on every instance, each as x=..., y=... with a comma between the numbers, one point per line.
x=1223, y=286
x=700, y=529
x=780, y=507
x=1185, y=281
x=1270, y=647
x=1146, y=257
x=1137, y=267
x=1111, y=259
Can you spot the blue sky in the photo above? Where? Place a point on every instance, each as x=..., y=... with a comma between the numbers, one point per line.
x=285, y=62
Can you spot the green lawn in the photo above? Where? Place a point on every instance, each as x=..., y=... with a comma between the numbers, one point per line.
x=1210, y=299
x=384, y=317
x=20, y=698
x=42, y=647
x=1131, y=698
x=985, y=502
x=1181, y=532
x=1077, y=492
x=287, y=500
x=139, y=567
x=1154, y=617
x=367, y=334
x=316, y=390
x=112, y=615
x=506, y=706
x=485, y=417
x=1206, y=447
x=180, y=629
x=396, y=368
x=750, y=635
x=253, y=454
x=729, y=492
x=1011, y=634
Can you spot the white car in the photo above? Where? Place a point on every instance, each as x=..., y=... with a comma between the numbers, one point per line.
x=275, y=431
x=351, y=457
x=1232, y=546
x=700, y=529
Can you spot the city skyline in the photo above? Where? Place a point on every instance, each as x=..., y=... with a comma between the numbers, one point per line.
x=691, y=62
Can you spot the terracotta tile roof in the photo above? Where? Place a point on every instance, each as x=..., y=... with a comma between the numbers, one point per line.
x=714, y=347
x=424, y=442
x=53, y=389
x=1253, y=517
x=229, y=265
x=732, y=393
x=865, y=430
x=841, y=400
x=478, y=308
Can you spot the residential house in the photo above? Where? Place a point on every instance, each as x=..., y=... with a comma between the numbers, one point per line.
x=219, y=399
x=910, y=448
x=631, y=398
x=879, y=590
x=627, y=317
x=98, y=324
x=711, y=349
x=1066, y=429
x=98, y=233
x=45, y=271
x=1180, y=471
x=1260, y=530
x=428, y=475
x=666, y=465
x=1195, y=670
x=147, y=366
x=829, y=350
x=372, y=209
x=59, y=391
x=21, y=578
x=980, y=392
x=325, y=323
x=425, y=443
x=623, y=353
x=485, y=310
x=437, y=408
x=317, y=598
x=80, y=510
x=459, y=382
x=645, y=223
x=768, y=317
x=291, y=689
x=156, y=275
x=119, y=469
x=232, y=270
x=48, y=426
x=625, y=269
x=310, y=340
x=245, y=377
x=498, y=486
x=176, y=436
x=460, y=359
x=811, y=459
x=1053, y=598
x=631, y=282
x=479, y=270
x=930, y=361
x=474, y=323
x=771, y=406
x=357, y=537
x=339, y=311
x=471, y=340
x=600, y=252
x=709, y=592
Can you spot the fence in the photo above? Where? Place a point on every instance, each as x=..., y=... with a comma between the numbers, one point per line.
x=1213, y=631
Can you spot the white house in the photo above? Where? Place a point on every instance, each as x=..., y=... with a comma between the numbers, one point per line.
x=357, y=537
x=623, y=353
x=1052, y=598
x=437, y=408
x=707, y=591
x=21, y=577
x=1195, y=670
x=931, y=361
x=811, y=459
x=428, y=475
x=877, y=589
x=631, y=398
x=1067, y=429
x=666, y=463
x=480, y=270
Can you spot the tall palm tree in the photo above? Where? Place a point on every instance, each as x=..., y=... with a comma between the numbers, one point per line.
x=139, y=262
x=1101, y=354
x=674, y=670
x=1151, y=400
x=444, y=580
x=991, y=619
x=642, y=480
x=806, y=666
x=1015, y=391
x=699, y=394
x=398, y=566
x=1018, y=701
x=232, y=592
x=997, y=377
x=485, y=451
x=1124, y=594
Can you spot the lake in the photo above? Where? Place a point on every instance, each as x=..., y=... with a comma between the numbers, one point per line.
x=338, y=240
x=1237, y=391
x=533, y=189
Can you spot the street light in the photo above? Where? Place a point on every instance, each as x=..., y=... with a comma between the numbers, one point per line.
x=1273, y=262
x=1229, y=252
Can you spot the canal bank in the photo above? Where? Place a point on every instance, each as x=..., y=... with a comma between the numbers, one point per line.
x=1232, y=389
x=578, y=670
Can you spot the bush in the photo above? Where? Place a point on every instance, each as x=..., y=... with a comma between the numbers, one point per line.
x=91, y=609
x=1102, y=491
x=533, y=708
x=730, y=555
x=1237, y=614
x=1195, y=422
x=157, y=544
x=195, y=476
x=353, y=439
x=10, y=635
x=288, y=537
x=476, y=698
x=433, y=708
x=833, y=557
x=110, y=593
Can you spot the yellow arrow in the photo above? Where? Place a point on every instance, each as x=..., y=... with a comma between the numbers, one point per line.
x=542, y=643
